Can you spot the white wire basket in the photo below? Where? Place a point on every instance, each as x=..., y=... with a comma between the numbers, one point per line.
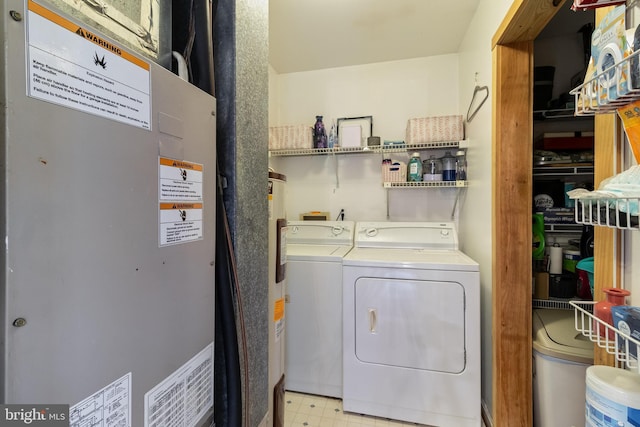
x=614, y=87
x=613, y=212
x=615, y=342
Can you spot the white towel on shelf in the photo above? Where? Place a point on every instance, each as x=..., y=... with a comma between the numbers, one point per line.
x=621, y=191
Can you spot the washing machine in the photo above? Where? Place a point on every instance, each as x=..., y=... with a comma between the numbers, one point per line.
x=313, y=358
x=411, y=325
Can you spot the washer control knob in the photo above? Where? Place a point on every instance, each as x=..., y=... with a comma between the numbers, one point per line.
x=444, y=233
x=337, y=230
x=370, y=232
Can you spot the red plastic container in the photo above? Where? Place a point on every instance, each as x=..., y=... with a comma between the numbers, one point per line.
x=602, y=310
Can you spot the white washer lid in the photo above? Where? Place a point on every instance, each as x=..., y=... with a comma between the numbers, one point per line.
x=316, y=252
x=451, y=260
x=555, y=335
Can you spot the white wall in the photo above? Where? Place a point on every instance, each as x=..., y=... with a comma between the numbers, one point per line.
x=475, y=220
x=391, y=92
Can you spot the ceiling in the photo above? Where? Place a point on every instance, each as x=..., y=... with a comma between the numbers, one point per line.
x=310, y=35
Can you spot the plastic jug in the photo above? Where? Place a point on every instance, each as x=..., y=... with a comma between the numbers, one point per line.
x=448, y=167
x=431, y=169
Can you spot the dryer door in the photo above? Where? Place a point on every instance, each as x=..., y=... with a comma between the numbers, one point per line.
x=415, y=324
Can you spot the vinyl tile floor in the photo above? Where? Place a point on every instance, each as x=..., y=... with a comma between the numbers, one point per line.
x=306, y=410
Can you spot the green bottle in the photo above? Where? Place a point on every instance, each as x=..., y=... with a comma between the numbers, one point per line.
x=414, y=173
x=538, y=236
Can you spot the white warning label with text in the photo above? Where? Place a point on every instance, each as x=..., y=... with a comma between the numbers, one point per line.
x=180, y=223
x=69, y=65
x=180, y=180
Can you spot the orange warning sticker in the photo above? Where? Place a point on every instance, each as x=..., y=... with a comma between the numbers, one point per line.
x=180, y=164
x=164, y=206
x=278, y=310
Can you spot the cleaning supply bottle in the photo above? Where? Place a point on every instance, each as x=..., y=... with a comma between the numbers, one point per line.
x=461, y=165
x=415, y=168
x=538, y=237
x=448, y=167
x=333, y=136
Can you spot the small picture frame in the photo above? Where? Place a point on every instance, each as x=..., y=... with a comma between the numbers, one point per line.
x=348, y=131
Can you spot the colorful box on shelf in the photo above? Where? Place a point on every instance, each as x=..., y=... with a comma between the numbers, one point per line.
x=290, y=136
x=394, y=172
x=393, y=144
x=434, y=129
x=627, y=320
x=567, y=140
x=558, y=216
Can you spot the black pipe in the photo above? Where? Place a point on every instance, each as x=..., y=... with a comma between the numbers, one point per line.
x=230, y=414
x=192, y=32
x=202, y=54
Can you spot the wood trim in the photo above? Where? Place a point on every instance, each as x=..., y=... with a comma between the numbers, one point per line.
x=525, y=20
x=607, y=157
x=603, y=237
x=607, y=250
x=512, y=152
x=511, y=226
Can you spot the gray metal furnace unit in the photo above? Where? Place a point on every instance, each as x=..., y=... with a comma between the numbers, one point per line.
x=107, y=211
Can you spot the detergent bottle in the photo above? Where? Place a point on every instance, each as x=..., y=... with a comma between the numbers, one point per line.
x=538, y=237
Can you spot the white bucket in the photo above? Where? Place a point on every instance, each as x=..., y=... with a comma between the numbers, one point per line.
x=612, y=397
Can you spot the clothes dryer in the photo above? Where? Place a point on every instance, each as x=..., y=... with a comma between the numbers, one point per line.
x=411, y=325
x=315, y=249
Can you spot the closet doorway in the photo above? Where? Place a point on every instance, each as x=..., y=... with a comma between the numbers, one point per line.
x=512, y=206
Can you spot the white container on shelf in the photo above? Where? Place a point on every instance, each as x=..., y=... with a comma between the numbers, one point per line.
x=612, y=394
x=560, y=361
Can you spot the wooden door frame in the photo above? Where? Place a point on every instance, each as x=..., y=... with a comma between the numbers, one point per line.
x=512, y=154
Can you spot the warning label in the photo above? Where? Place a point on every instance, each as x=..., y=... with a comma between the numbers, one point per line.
x=180, y=193
x=180, y=180
x=180, y=223
x=72, y=67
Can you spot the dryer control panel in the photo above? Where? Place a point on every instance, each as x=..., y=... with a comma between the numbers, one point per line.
x=418, y=235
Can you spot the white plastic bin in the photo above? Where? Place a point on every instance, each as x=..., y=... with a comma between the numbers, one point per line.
x=561, y=356
x=613, y=397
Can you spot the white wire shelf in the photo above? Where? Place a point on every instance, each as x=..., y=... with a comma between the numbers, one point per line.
x=563, y=170
x=426, y=184
x=614, y=341
x=319, y=151
x=613, y=212
x=552, y=303
x=554, y=114
x=600, y=93
x=399, y=148
x=563, y=228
